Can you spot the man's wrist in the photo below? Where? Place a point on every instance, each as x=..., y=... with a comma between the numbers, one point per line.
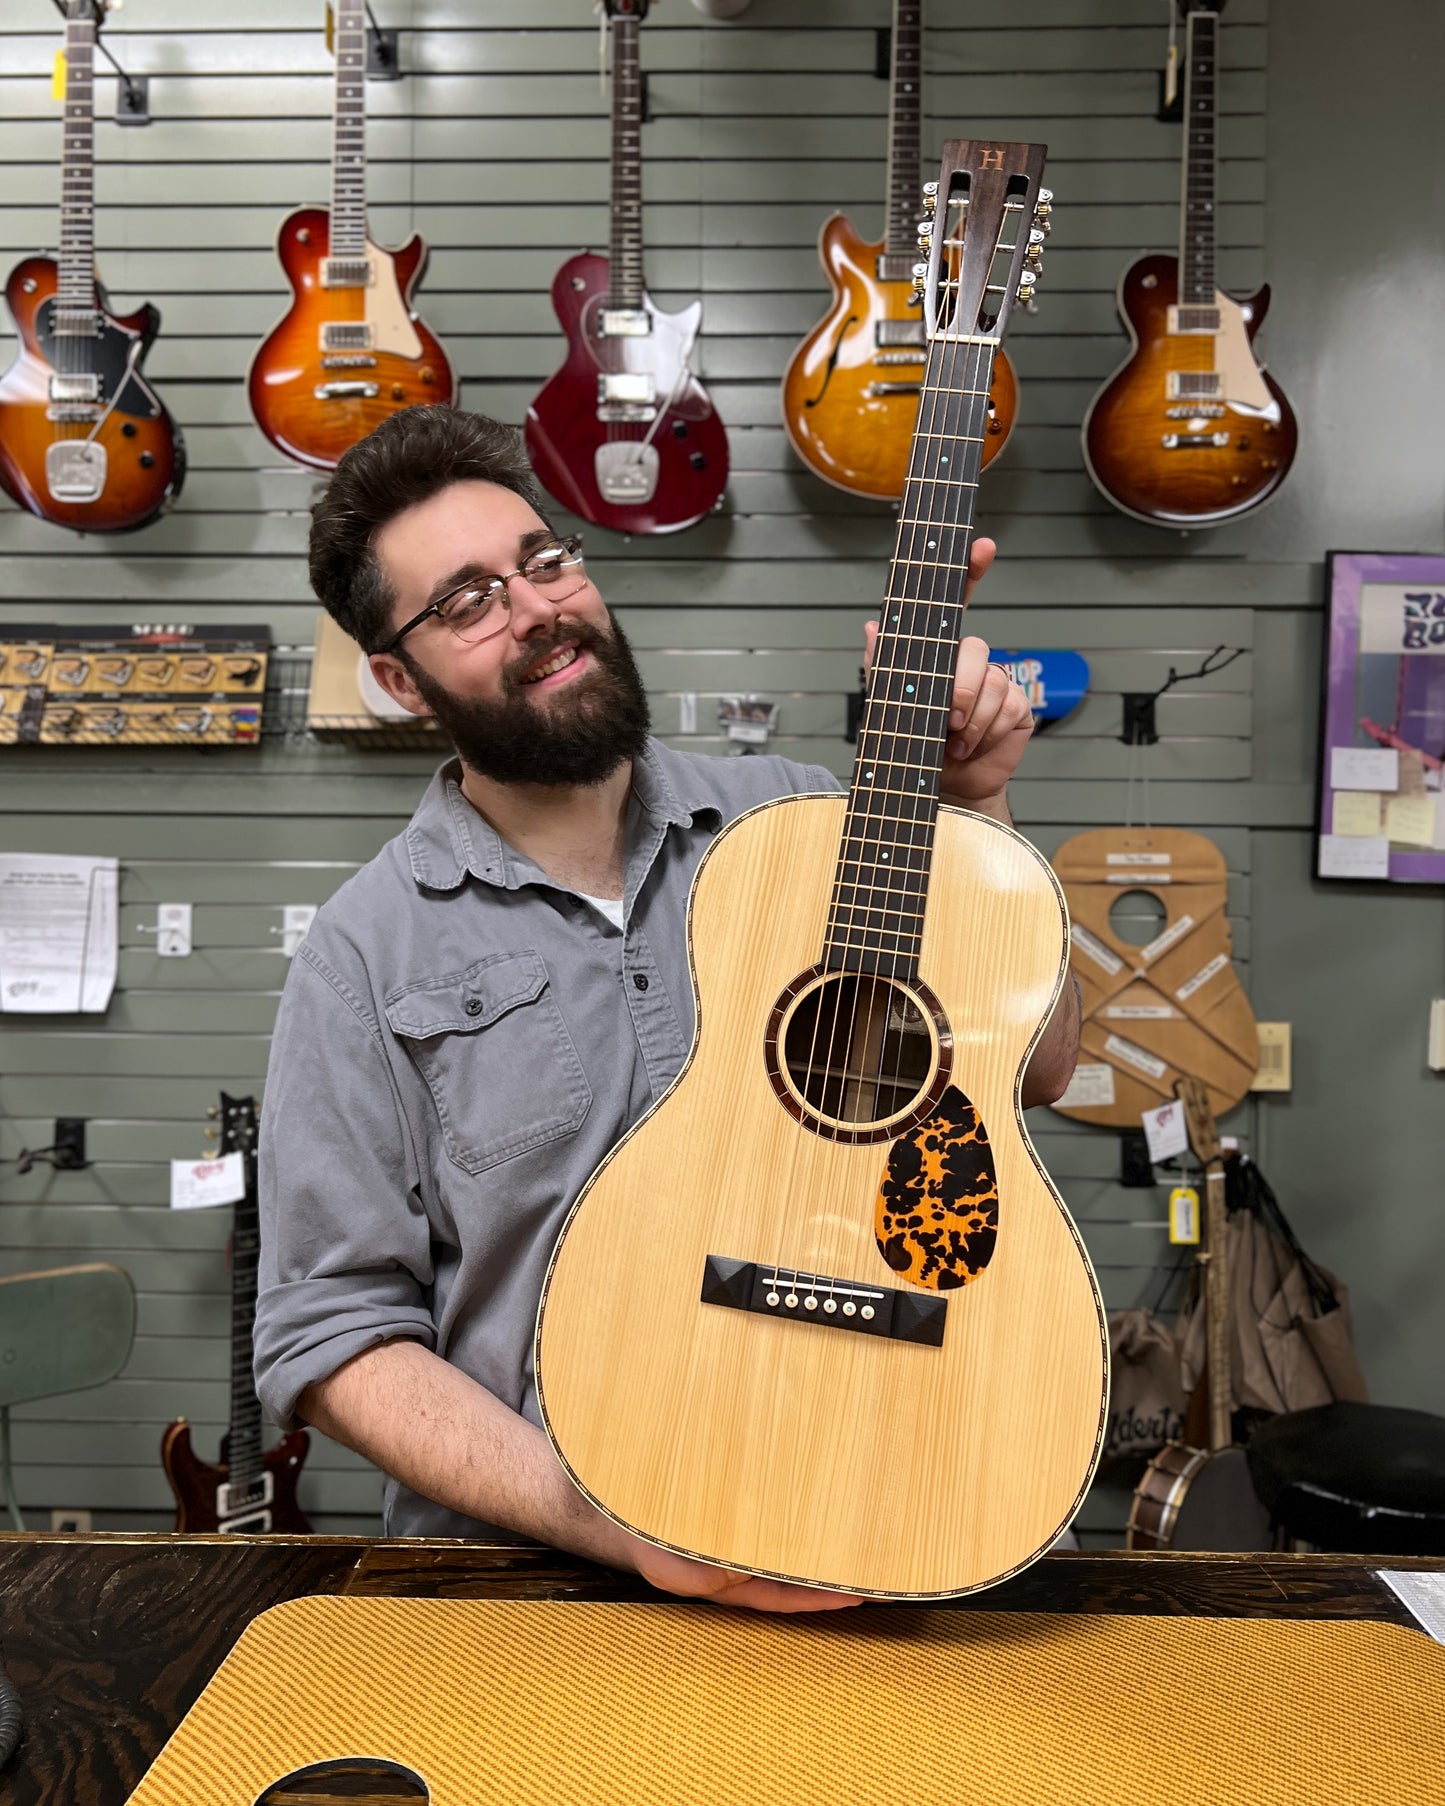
x=995, y=807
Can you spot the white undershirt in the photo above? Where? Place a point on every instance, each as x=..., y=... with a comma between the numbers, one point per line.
x=611, y=907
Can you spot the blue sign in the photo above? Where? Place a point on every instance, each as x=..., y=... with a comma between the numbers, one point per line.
x=1054, y=682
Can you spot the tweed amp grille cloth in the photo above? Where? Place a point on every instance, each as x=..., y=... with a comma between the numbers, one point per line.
x=658, y=1705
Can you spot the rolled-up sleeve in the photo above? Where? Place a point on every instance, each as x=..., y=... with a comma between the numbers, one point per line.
x=345, y=1246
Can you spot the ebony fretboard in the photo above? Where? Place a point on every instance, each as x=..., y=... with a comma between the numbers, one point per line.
x=875, y=921
x=246, y=1462
x=904, y=113
x=626, y=235
x=76, y=300
x=1196, y=223
x=348, y=161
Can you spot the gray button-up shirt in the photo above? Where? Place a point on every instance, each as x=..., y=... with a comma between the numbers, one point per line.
x=460, y=1042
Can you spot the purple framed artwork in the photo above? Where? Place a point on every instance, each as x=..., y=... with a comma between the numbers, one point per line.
x=1382, y=760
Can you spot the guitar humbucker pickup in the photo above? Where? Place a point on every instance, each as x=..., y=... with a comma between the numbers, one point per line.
x=347, y=335
x=1193, y=382
x=1193, y=320
x=899, y=332
x=831, y=1303
x=624, y=323
x=242, y=1497
x=347, y=272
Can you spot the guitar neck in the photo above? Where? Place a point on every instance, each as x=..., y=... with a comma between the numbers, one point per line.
x=76, y=310
x=875, y=921
x=1196, y=213
x=245, y=1460
x=1216, y=1308
x=904, y=115
x=348, y=157
x=626, y=208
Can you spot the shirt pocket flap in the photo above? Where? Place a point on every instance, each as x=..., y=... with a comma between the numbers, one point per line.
x=461, y=1001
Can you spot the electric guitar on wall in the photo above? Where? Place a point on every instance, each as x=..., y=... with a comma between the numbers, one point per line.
x=85, y=441
x=350, y=350
x=1190, y=432
x=624, y=434
x=806, y=1314
x=251, y=1491
x=850, y=393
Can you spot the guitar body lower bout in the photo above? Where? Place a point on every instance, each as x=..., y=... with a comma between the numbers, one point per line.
x=900, y=1464
x=850, y=402
x=1193, y=481
x=568, y=443
x=195, y=1482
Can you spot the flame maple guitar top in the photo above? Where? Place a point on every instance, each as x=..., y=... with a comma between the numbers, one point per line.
x=843, y=421
x=794, y=1448
x=144, y=449
x=1193, y=482
x=405, y=364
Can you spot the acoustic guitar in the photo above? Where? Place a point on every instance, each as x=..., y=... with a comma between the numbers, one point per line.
x=624, y=434
x=85, y=441
x=350, y=350
x=850, y=392
x=1196, y=1493
x=1190, y=431
x=822, y=1315
x=250, y=1491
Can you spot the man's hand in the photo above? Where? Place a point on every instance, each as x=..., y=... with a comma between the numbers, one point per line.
x=700, y=1580
x=991, y=720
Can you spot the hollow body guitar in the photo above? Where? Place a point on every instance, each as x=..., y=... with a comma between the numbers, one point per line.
x=1190, y=431
x=821, y=1315
x=850, y=392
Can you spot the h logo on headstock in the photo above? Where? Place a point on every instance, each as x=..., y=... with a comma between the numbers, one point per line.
x=992, y=159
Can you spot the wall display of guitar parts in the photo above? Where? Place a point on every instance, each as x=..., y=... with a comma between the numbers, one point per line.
x=1171, y=1009
x=142, y=686
x=347, y=704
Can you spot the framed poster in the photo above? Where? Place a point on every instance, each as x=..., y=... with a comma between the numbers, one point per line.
x=1382, y=755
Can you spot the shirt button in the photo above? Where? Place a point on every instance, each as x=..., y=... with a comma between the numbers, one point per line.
x=640, y=980
x=474, y=1006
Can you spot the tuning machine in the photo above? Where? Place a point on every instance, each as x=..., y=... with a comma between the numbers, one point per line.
x=1043, y=209
x=925, y=236
x=930, y=197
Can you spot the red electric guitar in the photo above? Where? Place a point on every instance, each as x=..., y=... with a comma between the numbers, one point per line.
x=85, y=441
x=624, y=434
x=250, y=1491
x=350, y=350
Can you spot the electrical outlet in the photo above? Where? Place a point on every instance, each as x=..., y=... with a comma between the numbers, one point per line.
x=71, y=1522
x=1274, y=1057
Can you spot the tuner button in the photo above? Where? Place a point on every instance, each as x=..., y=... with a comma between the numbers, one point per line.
x=1027, y=278
x=920, y=272
x=1045, y=196
x=930, y=193
x=1036, y=235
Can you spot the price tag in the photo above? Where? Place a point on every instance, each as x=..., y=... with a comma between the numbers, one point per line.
x=200, y=1184
x=57, y=76
x=1166, y=1131
x=1184, y=1215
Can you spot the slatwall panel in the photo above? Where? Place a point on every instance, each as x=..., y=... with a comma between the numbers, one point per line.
x=494, y=146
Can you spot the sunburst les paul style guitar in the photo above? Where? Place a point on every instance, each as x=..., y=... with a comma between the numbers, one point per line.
x=350, y=350
x=85, y=441
x=250, y=1491
x=850, y=392
x=1190, y=432
x=624, y=434
x=822, y=1315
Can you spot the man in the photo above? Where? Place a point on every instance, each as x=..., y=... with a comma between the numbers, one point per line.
x=478, y=1015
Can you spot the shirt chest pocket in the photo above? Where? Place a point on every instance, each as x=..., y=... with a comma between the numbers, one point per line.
x=493, y=1048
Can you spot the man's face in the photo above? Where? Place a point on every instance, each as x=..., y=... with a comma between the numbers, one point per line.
x=515, y=714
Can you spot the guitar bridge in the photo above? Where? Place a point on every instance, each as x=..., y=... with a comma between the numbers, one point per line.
x=626, y=471
x=769, y=1291
x=1194, y=441
x=75, y=470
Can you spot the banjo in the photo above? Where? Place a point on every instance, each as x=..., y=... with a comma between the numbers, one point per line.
x=1192, y=1497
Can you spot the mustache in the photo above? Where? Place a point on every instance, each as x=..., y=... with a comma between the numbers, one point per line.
x=581, y=634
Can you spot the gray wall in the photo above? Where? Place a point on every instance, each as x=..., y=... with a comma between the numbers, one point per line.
x=495, y=147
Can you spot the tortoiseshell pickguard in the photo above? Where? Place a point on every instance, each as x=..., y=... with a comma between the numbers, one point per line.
x=937, y=1216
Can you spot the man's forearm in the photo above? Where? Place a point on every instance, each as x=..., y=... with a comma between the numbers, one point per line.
x=444, y=1436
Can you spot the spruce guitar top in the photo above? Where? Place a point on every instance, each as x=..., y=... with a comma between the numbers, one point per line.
x=624, y=434
x=821, y=1315
x=850, y=392
x=85, y=441
x=1190, y=432
x=350, y=350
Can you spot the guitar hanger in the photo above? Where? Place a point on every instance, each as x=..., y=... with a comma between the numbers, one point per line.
x=133, y=103
x=1139, y=727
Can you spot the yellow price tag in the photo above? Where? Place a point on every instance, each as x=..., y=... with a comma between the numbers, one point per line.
x=1184, y=1215
x=57, y=77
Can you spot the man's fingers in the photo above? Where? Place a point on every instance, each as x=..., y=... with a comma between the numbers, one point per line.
x=981, y=555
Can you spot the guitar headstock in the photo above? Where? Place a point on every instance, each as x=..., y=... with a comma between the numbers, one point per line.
x=983, y=238
x=240, y=1124
x=1199, y=1120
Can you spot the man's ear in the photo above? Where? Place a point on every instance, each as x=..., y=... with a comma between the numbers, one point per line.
x=395, y=679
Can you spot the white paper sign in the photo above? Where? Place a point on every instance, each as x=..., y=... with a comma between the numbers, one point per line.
x=1165, y=1131
x=198, y=1184
x=58, y=936
x=1091, y=1087
x=1136, y=1057
x=1364, y=768
x=296, y=920
x=1095, y=949
x=1353, y=856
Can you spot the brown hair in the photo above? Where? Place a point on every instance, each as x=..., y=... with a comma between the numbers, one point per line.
x=412, y=456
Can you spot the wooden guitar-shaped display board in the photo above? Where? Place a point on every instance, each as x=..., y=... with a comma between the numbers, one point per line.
x=1171, y=1009
x=350, y=351
x=850, y=392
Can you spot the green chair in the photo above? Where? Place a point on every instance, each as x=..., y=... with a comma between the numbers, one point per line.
x=60, y=1331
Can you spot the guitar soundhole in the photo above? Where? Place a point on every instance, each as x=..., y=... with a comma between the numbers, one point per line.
x=858, y=1056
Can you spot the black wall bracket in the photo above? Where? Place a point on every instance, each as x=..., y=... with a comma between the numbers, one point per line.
x=1139, y=728
x=383, y=54
x=883, y=52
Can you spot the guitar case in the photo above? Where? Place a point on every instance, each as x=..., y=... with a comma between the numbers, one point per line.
x=1171, y=1009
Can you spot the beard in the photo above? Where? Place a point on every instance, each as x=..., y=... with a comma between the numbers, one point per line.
x=580, y=739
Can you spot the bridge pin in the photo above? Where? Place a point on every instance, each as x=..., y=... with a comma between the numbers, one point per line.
x=772, y=1298
x=810, y=1304
x=850, y=1309
x=868, y=1313
x=791, y=1301
x=830, y=1305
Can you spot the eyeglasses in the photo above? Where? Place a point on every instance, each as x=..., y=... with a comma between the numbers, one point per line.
x=479, y=608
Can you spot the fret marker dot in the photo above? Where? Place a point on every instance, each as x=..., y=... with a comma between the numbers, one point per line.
x=933, y=546
x=885, y=858
x=908, y=688
x=943, y=460
x=868, y=775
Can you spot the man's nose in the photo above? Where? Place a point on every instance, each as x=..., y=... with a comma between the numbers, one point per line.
x=530, y=608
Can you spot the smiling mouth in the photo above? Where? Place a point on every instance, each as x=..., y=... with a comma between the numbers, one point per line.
x=559, y=661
